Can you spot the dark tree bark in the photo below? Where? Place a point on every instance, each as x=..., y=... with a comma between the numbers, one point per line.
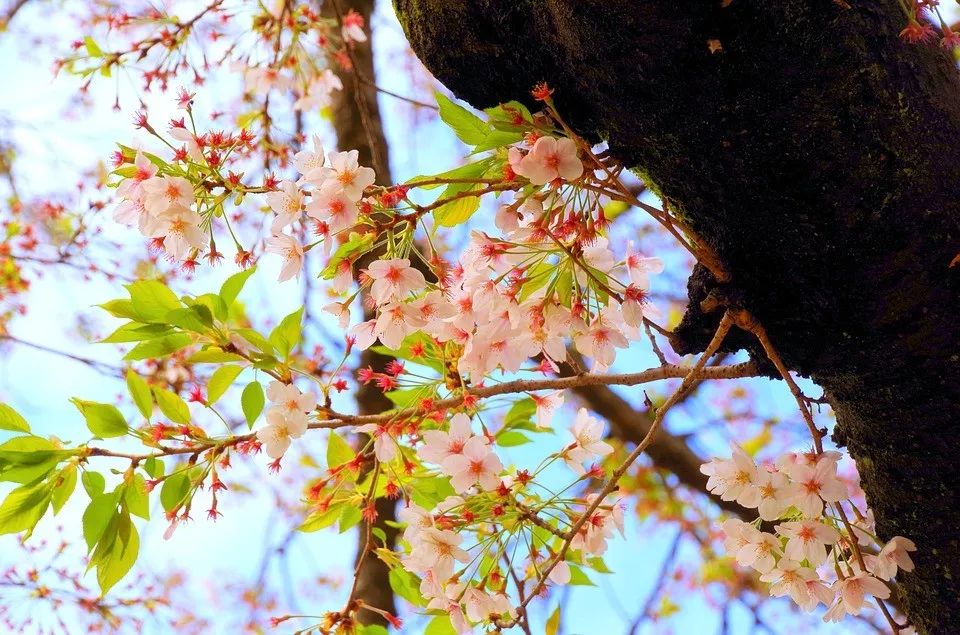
x=819, y=156
x=359, y=126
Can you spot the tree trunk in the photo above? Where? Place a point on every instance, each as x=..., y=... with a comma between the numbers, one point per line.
x=819, y=156
x=359, y=126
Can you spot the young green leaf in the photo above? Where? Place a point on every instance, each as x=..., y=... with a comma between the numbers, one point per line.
x=174, y=491
x=152, y=300
x=118, y=560
x=103, y=419
x=338, y=451
x=140, y=392
x=234, y=285
x=63, y=485
x=10, y=419
x=171, y=405
x=23, y=508
x=286, y=335
x=252, y=401
x=220, y=381
x=467, y=126
x=159, y=347
x=93, y=483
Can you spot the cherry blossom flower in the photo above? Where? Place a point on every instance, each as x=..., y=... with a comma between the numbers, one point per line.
x=308, y=161
x=345, y=171
x=318, y=92
x=393, y=279
x=814, y=485
x=587, y=432
x=364, y=334
x=290, y=401
x=395, y=322
x=332, y=206
x=759, y=550
x=287, y=203
x=894, y=555
x=600, y=341
x=854, y=594
x=771, y=489
x=807, y=540
x=439, y=445
x=549, y=159
x=437, y=550
x=560, y=574
x=180, y=229
x=801, y=583
x=278, y=432
x=288, y=248
x=162, y=193
x=547, y=405
x=352, y=30
x=639, y=267
x=476, y=464
x=384, y=445
x=733, y=479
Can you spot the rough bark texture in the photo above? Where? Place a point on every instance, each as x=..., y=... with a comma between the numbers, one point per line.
x=819, y=155
x=359, y=126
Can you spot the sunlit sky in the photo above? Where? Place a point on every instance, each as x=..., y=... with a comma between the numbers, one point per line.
x=55, y=144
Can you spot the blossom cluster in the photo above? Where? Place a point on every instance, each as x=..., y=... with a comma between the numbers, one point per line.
x=816, y=555
x=286, y=418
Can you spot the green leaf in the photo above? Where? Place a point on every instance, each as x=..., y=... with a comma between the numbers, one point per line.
x=213, y=355
x=520, y=412
x=159, y=347
x=597, y=564
x=140, y=392
x=536, y=278
x=440, y=625
x=63, y=485
x=171, y=405
x=256, y=339
x=316, y=520
x=10, y=419
x=349, y=517
x=103, y=419
x=338, y=451
x=286, y=335
x=136, y=497
x=505, y=116
x=578, y=577
x=460, y=210
x=93, y=49
x=511, y=438
x=356, y=244
x=97, y=517
x=220, y=381
x=120, y=309
x=152, y=300
x=174, y=491
x=467, y=126
x=406, y=585
x=553, y=623
x=473, y=170
x=23, y=508
x=154, y=467
x=252, y=401
x=93, y=483
x=498, y=139
x=196, y=318
x=136, y=332
x=234, y=285
x=115, y=563
x=373, y=629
